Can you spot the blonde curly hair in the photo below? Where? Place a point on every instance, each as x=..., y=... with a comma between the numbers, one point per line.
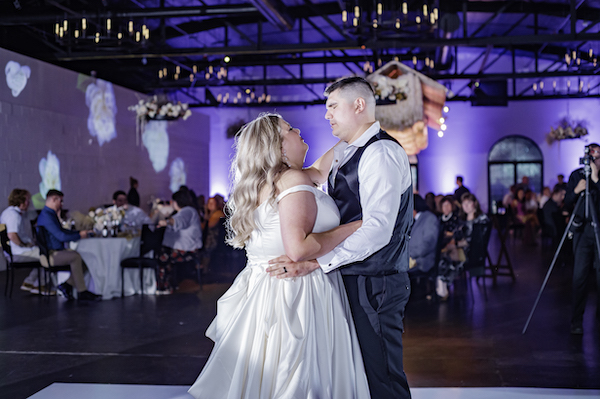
x=257, y=163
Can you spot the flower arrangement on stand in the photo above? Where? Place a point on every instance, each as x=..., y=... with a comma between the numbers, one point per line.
x=567, y=130
x=157, y=109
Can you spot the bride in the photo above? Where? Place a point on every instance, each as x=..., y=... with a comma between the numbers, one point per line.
x=291, y=337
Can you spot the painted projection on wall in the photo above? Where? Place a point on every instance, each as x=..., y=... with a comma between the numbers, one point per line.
x=156, y=141
x=100, y=98
x=50, y=172
x=16, y=77
x=178, y=175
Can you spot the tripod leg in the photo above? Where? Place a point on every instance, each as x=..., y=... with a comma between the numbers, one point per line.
x=562, y=241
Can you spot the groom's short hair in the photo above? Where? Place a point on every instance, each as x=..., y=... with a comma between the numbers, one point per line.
x=360, y=86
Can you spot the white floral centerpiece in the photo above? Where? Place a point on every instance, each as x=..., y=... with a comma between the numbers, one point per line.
x=157, y=109
x=567, y=130
x=112, y=215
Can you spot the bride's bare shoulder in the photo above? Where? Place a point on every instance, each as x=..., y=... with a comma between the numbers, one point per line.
x=293, y=177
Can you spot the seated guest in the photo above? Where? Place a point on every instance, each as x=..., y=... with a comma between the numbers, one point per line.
x=524, y=213
x=56, y=239
x=554, y=215
x=134, y=216
x=476, y=231
x=20, y=236
x=422, y=246
x=182, y=240
x=546, y=193
x=449, y=222
x=430, y=201
x=469, y=242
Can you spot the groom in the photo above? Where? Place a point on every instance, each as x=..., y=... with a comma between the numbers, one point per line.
x=370, y=179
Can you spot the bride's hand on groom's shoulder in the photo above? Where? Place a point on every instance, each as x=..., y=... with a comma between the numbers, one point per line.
x=284, y=267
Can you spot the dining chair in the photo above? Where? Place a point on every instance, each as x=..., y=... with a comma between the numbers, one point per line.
x=12, y=264
x=47, y=261
x=149, y=241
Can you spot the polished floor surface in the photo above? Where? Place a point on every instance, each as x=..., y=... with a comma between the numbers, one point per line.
x=121, y=391
x=464, y=342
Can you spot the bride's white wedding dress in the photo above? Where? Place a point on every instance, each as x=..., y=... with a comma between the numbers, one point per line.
x=283, y=338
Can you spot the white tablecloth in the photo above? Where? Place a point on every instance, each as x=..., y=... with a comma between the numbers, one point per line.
x=103, y=258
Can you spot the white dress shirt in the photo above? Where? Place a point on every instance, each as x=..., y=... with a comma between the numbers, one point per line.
x=383, y=176
x=15, y=222
x=185, y=234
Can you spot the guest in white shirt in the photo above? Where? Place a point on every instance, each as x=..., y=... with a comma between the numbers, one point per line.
x=19, y=233
x=134, y=216
x=183, y=238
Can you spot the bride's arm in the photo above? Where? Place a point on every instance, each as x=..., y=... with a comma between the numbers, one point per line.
x=319, y=170
x=297, y=214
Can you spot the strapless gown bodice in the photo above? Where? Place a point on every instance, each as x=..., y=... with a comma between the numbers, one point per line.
x=266, y=242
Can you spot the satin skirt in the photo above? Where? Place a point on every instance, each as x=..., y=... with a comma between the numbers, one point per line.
x=290, y=338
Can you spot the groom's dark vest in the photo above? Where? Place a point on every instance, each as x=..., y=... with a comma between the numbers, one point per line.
x=393, y=257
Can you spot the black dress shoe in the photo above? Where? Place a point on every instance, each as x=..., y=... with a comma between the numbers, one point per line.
x=88, y=296
x=66, y=290
x=576, y=330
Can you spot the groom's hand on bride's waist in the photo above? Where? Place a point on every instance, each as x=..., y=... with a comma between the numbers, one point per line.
x=284, y=267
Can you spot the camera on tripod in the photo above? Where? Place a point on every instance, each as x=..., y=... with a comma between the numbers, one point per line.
x=587, y=159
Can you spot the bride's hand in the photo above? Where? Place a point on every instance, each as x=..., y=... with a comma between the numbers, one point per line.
x=283, y=267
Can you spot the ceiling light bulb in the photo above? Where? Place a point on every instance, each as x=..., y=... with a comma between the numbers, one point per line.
x=414, y=60
x=379, y=8
x=177, y=69
x=207, y=76
x=219, y=98
x=119, y=35
x=137, y=36
x=397, y=23
x=226, y=59
x=374, y=24
x=591, y=53
x=542, y=85
x=56, y=28
x=357, y=11
x=446, y=109
x=210, y=69
x=130, y=27
x=176, y=76
x=418, y=19
x=535, y=87
x=65, y=25
x=354, y=21
x=97, y=38
x=425, y=10
x=108, y=24
x=194, y=69
x=405, y=8
x=83, y=24
x=344, y=16
x=76, y=33
x=160, y=74
x=268, y=98
x=61, y=32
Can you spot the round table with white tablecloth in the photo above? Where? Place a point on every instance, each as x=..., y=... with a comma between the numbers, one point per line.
x=103, y=258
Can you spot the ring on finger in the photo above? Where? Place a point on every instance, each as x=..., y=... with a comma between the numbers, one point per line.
x=284, y=270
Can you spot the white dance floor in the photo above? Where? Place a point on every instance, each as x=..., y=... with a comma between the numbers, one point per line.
x=118, y=391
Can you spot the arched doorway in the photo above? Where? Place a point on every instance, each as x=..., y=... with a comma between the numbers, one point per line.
x=509, y=159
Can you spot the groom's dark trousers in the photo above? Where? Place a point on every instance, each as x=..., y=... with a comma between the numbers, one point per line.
x=377, y=304
x=378, y=287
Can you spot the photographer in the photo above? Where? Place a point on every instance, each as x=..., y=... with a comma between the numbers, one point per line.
x=584, y=244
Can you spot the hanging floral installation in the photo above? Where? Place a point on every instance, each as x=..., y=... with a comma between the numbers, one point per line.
x=157, y=109
x=567, y=130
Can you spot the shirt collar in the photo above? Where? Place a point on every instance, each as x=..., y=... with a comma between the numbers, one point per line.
x=366, y=136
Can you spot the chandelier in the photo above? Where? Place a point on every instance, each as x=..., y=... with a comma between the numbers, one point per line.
x=100, y=31
x=390, y=16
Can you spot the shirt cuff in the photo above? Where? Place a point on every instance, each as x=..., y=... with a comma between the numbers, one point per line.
x=325, y=262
